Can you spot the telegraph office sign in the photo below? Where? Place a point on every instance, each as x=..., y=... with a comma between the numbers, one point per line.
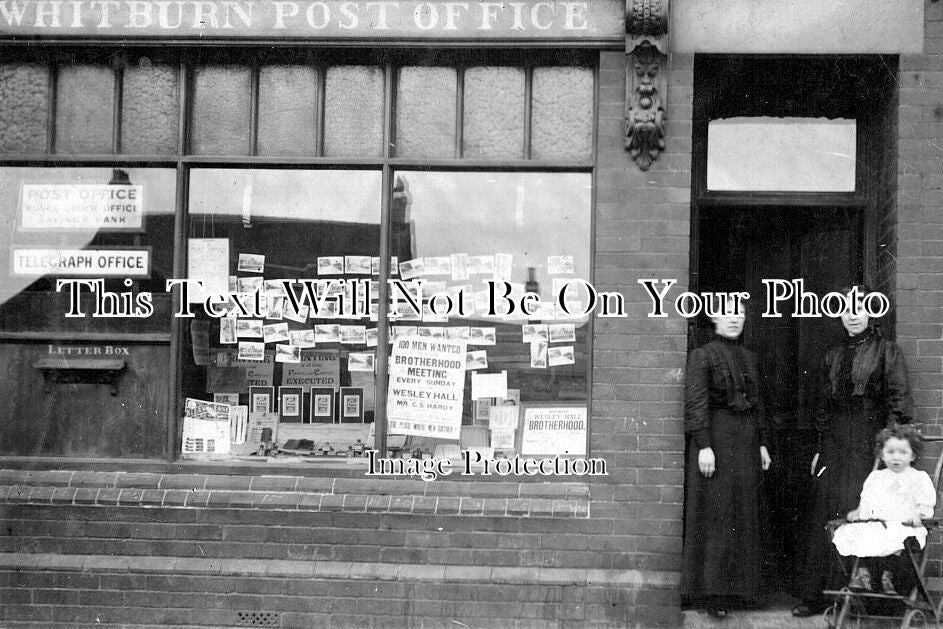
x=584, y=21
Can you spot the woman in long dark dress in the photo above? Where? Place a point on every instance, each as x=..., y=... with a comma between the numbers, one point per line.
x=862, y=388
x=726, y=421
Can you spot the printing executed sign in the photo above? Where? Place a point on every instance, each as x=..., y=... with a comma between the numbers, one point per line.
x=81, y=262
x=318, y=368
x=81, y=206
x=553, y=430
x=588, y=20
x=427, y=387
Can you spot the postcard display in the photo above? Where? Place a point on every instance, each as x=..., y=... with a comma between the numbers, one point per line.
x=285, y=365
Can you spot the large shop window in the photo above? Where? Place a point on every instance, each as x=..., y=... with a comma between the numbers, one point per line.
x=291, y=165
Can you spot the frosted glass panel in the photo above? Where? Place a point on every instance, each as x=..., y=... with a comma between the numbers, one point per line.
x=353, y=114
x=562, y=116
x=85, y=104
x=781, y=155
x=150, y=109
x=287, y=116
x=494, y=112
x=24, y=106
x=221, y=111
x=425, y=112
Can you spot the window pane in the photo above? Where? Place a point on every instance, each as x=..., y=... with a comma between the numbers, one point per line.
x=562, y=117
x=313, y=225
x=150, y=109
x=85, y=105
x=425, y=112
x=221, y=111
x=353, y=116
x=781, y=154
x=85, y=223
x=287, y=116
x=529, y=229
x=24, y=106
x=494, y=112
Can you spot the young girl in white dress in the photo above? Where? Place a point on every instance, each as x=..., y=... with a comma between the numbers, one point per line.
x=899, y=497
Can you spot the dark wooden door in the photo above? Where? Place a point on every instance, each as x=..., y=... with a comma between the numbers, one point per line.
x=738, y=247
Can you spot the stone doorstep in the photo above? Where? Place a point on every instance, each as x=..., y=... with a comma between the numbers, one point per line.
x=336, y=570
x=776, y=618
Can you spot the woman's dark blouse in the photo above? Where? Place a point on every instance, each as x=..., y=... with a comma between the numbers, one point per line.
x=722, y=375
x=866, y=366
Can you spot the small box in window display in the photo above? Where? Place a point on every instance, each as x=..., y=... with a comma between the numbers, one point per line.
x=290, y=404
x=351, y=405
x=322, y=405
x=261, y=399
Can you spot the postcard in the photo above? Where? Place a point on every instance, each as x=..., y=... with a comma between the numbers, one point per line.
x=357, y=265
x=275, y=332
x=287, y=353
x=503, y=265
x=460, y=332
x=533, y=333
x=226, y=398
x=400, y=331
x=476, y=360
x=560, y=265
x=438, y=265
x=251, y=263
x=538, y=355
x=482, y=336
x=353, y=334
x=560, y=355
x=301, y=338
x=248, y=285
x=227, y=331
x=411, y=268
x=249, y=350
x=249, y=328
x=562, y=333
x=331, y=265
x=299, y=316
x=275, y=307
x=361, y=361
x=370, y=336
x=327, y=333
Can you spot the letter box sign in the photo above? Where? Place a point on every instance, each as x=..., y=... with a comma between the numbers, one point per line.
x=589, y=20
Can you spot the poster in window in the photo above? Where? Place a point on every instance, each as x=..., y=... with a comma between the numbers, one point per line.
x=207, y=260
x=322, y=405
x=351, y=405
x=261, y=399
x=549, y=429
x=289, y=404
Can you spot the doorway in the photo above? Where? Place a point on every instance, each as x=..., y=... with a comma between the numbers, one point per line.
x=738, y=247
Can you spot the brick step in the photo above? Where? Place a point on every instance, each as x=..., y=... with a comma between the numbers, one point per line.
x=360, y=537
x=95, y=590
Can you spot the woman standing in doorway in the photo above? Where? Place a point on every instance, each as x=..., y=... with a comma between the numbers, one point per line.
x=862, y=388
x=726, y=421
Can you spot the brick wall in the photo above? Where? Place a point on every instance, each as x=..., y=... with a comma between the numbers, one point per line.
x=642, y=231
x=920, y=225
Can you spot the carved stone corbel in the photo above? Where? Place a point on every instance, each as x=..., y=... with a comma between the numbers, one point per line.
x=646, y=82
